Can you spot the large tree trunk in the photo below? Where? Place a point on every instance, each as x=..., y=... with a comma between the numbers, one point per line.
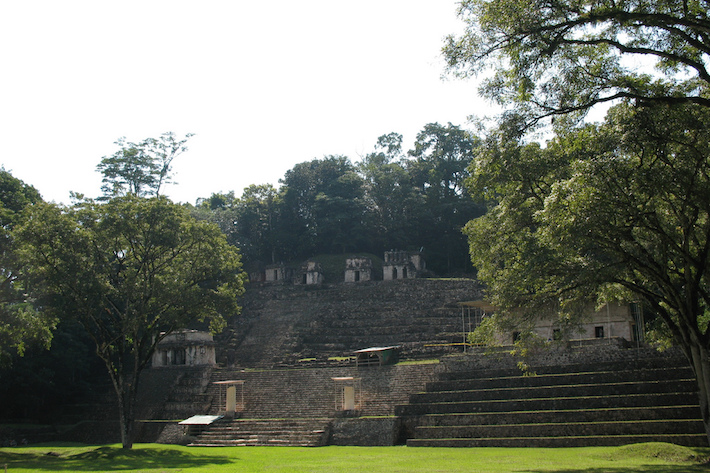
x=125, y=386
x=700, y=362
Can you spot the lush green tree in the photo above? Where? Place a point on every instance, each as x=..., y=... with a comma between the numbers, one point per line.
x=257, y=220
x=392, y=202
x=20, y=323
x=130, y=270
x=141, y=168
x=220, y=209
x=554, y=58
x=441, y=156
x=617, y=210
x=323, y=206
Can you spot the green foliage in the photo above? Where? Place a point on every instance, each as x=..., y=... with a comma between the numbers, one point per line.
x=561, y=58
x=323, y=206
x=20, y=324
x=486, y=333
x=619, y=210
x=130, y=270
x=438, y=170
x=595, y=212
x=140, y=168
x=389, y=200
x=39, y=383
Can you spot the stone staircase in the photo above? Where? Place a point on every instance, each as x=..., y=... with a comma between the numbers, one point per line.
x=296, y=407
x=281, y=324
x=265, y=432
x=585, y=405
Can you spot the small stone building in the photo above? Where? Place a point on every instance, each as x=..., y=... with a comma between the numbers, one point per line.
x=402, y=265
x=276, y=273
x=612, y=320
x=358, y=269
x=311, y=273
x=185, y=348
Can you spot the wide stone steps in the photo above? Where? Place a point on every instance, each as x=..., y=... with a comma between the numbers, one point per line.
x=563, y=441
x=635, y=414
x=265, y=432
x=556, y=391
x=334, y=320
x=564, y=429
x=614, y=404
x=548, y=379
x=600, y=401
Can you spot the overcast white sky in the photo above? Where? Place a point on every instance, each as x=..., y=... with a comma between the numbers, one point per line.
x=263, y=85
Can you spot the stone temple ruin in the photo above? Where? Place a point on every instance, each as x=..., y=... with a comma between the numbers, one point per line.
x=397, y=264
x=358, y=269
x=185, y=348
x=387, y=362
x=402, y=265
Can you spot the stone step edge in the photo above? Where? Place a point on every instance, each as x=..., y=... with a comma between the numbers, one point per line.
x=559, y=386
x=558, y=424
x=489, y=401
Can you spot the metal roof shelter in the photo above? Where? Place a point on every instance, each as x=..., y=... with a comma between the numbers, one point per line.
x=197, y=424
x=200, y=420
x=377, y=356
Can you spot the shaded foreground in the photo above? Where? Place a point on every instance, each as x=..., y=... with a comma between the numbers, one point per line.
x=650, y=457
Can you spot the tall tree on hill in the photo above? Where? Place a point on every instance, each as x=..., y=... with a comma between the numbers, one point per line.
x=131, y=271
x=324, y=208
x=143, y=168
x=393, y=203
x=257, y=221
x=221, y=209
x=617, y=208
x=439, y=168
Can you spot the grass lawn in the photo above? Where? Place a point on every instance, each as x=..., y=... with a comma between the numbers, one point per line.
x=657, y=457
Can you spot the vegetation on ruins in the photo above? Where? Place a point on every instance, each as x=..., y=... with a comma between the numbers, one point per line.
x=619, y=209
x=389, y=200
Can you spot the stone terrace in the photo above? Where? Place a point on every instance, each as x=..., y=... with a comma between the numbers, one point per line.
x=281, y=324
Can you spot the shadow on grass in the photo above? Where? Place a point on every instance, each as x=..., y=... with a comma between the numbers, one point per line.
x=109, y=459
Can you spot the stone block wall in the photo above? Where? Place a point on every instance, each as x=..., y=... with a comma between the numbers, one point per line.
x=279, y=325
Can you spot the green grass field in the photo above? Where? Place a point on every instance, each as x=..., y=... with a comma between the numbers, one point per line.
x=656, y=457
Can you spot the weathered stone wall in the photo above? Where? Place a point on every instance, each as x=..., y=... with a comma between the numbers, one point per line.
x=310, y=393
x=292, y=393
x=366, y=432
x=281, y=325
x=561, y=354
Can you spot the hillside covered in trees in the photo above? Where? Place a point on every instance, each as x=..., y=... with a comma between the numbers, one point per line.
x=390, y=199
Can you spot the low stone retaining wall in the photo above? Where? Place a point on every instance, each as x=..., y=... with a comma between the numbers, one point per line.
x=366, y=432
x=571, y=353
